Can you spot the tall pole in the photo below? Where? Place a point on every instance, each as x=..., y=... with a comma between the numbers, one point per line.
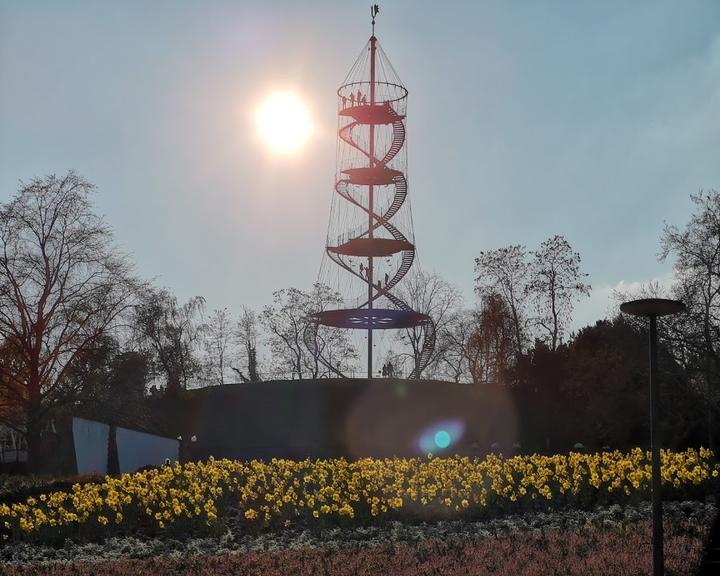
x=658, y=560
x=371, y=219
x=651, y=308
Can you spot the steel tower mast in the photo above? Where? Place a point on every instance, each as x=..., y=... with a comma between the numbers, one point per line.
x=370, y=235
x=371, y=160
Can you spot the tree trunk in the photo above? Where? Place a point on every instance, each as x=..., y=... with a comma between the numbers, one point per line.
x=709, y=400
x=252, y=364
x=33, y=438
x=709, y=352
x=33, y=428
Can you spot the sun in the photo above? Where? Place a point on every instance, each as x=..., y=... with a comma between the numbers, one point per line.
x=283, y=122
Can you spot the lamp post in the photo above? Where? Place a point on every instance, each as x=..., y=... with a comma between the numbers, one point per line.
x=652, y=308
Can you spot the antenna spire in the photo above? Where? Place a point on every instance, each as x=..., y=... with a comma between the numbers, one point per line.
x=374, y=12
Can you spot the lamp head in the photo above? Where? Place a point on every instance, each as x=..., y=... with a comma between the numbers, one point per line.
x=652, y=307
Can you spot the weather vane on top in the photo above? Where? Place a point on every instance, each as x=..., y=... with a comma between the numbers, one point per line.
x=374, y=12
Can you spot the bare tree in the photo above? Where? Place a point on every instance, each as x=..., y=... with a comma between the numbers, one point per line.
x=427, y=293
x=63, y=285
x=453, y=341
x=217, y=339
x=286, y=321
x=697, y=271
x=246, y=333
x=697, y=283
x=505, y=271
x=330, y=351
x=170, y=330
x=556, y=283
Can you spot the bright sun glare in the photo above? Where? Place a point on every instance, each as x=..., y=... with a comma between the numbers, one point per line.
x=283, y=122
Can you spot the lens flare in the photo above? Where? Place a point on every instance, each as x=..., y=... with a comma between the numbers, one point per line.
x=442, y=439
x=441, y=436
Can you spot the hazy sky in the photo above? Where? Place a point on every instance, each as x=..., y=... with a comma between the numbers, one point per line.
x=594, y=120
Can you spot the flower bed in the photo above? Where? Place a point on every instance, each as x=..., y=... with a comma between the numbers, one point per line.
x=198, y=498
x=689, y=518
x=604, y=541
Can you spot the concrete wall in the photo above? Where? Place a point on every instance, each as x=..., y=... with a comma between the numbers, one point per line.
x=91, y=445
x=137, y=449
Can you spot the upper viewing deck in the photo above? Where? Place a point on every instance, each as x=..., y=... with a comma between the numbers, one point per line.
x=372, y=113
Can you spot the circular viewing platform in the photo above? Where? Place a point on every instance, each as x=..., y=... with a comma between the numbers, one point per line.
x=377, y=318
x=375, y=247
x=376, y=176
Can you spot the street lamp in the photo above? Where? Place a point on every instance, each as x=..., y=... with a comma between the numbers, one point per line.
x=652, y=308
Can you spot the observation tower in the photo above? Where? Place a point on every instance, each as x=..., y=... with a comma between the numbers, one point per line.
x=370, y=243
